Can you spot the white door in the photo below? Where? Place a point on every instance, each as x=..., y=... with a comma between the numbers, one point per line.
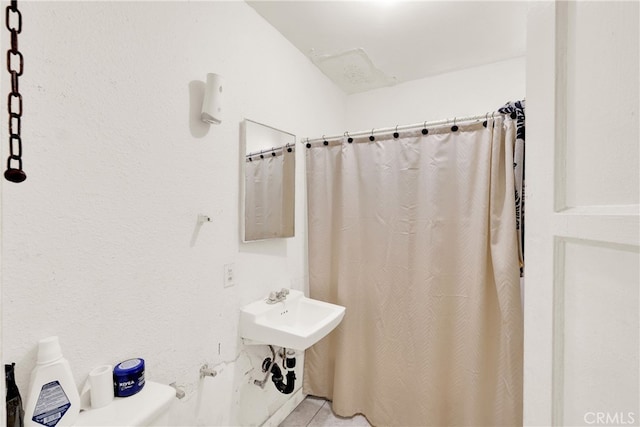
x=582, y=271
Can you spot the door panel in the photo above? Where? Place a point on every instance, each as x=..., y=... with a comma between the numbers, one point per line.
x=582, y=272
x=601, y=92
x=597, y=317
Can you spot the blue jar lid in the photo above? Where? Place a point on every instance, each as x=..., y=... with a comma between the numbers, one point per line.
x=129, y=367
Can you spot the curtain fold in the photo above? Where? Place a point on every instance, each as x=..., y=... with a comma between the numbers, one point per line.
x=416, y=237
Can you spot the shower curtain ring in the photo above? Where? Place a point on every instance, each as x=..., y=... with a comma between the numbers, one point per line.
x=372, y=138
x=486, y=119
x=261, y=156
x=454, y=128
x=396, y=134
x=424, y=129
x=325, y=142
x=308, y=143
x=273, y=151
x=349, y=139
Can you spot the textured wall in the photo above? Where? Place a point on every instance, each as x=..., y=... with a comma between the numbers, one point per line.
x=100, y=244
x=466, y=92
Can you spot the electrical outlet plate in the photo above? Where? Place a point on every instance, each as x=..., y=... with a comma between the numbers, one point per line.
x=229, y=275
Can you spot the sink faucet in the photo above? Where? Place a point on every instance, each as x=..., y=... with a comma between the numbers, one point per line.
x=278, y=296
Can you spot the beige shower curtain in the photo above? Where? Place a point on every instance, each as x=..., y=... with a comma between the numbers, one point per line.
x=269, y=192
x=416, y=237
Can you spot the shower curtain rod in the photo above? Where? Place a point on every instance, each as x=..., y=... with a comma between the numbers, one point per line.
x=289, y=147
x=423, y=125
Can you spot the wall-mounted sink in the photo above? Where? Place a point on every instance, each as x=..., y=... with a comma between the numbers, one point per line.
x=296, y=322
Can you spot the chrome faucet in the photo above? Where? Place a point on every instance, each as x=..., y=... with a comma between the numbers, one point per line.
x=278, y=296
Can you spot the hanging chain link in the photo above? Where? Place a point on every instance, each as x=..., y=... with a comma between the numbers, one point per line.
x=15, y=66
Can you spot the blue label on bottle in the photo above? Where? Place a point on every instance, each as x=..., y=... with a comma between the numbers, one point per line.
x=52, y=404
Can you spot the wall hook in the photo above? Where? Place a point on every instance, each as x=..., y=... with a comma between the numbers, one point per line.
x=204, y=218
x=206, y=371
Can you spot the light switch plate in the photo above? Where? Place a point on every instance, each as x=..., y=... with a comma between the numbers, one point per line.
x=229, y=275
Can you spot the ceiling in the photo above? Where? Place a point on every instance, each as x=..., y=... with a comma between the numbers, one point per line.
x=364, y=45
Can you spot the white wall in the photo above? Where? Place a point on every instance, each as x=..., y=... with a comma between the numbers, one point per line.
x=100, y=244
x=461, y=93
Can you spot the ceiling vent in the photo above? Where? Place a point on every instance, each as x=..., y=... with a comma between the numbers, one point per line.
x=352, y=70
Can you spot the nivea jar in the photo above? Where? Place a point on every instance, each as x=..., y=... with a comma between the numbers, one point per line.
x=128, y=377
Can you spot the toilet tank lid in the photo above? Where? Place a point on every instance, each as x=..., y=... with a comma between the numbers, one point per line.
x=138, y=410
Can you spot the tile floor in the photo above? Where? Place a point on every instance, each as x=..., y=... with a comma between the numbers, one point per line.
x=316, y=412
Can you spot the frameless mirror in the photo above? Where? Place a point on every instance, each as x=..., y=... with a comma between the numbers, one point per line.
x=268, y=190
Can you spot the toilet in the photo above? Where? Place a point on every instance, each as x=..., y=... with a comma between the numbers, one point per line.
x=149, y=407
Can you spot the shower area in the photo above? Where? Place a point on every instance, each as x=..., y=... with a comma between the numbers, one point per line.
x=416, y=230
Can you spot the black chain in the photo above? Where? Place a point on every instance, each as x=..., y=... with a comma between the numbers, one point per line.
x=14, y=100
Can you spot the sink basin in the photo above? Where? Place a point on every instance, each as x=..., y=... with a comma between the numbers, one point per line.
x=296, y=322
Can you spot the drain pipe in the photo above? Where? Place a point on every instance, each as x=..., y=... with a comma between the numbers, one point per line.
x=271, y=368
x=268, y=362
x=277, y=379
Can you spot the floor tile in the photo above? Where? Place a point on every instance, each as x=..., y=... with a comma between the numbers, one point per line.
x=304, y=412
x=326, y=418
